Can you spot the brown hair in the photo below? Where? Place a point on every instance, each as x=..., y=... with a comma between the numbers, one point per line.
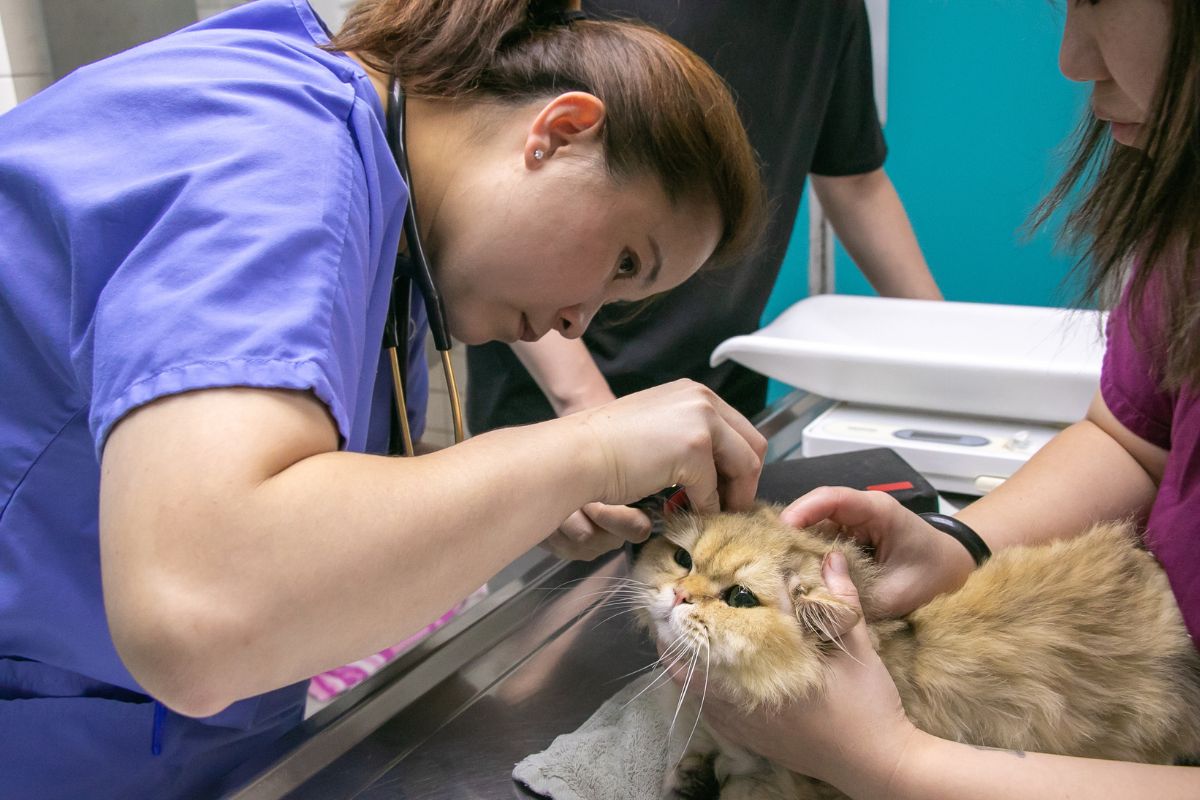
x=1145, y=205
x=667, y=113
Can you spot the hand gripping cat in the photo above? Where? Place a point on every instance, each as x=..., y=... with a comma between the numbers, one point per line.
x=1075, y=647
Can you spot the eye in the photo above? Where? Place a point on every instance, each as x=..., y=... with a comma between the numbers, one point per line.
x=683, y=558
x=740, y=597
x=628, y=266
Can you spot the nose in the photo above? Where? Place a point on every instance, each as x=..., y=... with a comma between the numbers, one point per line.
x=1079, y=59
x=681, y=596
x=573, y=321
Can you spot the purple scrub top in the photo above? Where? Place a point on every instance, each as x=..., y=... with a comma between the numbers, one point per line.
x=215, y=208
x=1131, y=385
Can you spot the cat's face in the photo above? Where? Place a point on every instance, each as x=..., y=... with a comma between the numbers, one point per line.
x=743, y=593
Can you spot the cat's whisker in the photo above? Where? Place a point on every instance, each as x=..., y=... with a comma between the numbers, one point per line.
x=824, y=625
x=703, y=694
x=673, y=653
x=669, y=652
x=571, y=584
x=656, y=663
x=621, y=589
x=666, y=674
x=687, y=682
x=611, y=617
x=662, y=679
x=628, y=587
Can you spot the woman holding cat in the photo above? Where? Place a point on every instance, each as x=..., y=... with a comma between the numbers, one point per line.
x=198, y=245
x=1137, y=453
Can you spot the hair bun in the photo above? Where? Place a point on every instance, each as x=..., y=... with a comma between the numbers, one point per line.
x=552, y=15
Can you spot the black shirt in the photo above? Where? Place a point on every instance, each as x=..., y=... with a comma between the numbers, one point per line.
x=801, y=73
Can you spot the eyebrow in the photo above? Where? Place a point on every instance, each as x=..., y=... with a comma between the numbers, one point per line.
x=652, y=275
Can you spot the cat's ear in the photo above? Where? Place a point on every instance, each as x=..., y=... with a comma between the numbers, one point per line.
x=818, y=610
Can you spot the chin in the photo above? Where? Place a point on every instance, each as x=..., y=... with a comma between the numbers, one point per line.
x=468, y=335
x=471, y=340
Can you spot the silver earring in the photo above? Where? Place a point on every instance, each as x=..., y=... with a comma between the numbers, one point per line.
x=538, y=155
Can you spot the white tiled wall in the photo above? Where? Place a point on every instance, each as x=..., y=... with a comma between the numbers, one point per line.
x=331, y=11
x=24, y=54
x=439, y=423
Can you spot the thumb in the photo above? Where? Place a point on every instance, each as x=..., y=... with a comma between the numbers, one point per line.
x=835, y=572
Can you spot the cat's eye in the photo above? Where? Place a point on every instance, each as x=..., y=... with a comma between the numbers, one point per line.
x=740, y=597
x=683, y=558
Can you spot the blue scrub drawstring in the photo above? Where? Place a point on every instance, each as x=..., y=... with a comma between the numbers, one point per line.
x=160, y=719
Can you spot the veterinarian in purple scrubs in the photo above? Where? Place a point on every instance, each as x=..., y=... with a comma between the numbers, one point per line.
x=198, y=239
x=1137, y=454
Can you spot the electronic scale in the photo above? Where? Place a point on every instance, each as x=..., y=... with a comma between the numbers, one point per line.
x=964, y=392
x=960, y=454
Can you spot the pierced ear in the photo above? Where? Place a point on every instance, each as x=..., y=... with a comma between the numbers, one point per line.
x=571, y=118
x=818, y=610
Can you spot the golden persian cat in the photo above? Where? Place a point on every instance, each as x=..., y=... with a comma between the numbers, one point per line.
x=1074, y=647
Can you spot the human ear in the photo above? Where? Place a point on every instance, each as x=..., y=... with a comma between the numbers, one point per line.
x=818, y=610
x=570, y=119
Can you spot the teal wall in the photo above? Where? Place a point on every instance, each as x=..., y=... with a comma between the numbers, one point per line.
x=977, y=113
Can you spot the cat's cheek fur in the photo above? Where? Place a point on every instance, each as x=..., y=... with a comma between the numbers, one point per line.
x=660, y=604
x=730, y=647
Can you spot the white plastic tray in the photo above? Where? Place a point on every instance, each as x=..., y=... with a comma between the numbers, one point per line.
x=1013, y=362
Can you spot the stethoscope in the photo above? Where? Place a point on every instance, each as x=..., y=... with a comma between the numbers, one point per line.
x=413, y=267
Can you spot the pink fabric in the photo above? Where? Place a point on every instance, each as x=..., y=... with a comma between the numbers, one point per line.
x=327, y=685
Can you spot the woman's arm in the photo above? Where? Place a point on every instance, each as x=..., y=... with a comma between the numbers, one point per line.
x=241, y=551
x=565, y=372
x=936, y=769
x=1095, y=470
x=871, y=222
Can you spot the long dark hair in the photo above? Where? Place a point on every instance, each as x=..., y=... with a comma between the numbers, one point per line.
x=1143, y=205
x=667, y=113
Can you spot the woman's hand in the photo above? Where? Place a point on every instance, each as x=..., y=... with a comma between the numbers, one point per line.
x=678, y=433
x=920, y=562
x=853, y=735
x=596, y=529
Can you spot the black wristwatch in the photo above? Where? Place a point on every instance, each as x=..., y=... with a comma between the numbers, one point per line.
x=962, y=532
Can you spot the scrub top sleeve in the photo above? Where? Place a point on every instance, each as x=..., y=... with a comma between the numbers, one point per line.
x=851, y=140
x=1131, y=380
x=249, y=266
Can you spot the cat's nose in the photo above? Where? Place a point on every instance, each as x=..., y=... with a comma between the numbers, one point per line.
x=681, y=596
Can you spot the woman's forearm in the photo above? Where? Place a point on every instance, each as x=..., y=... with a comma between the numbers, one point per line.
x=871, y=222
x=1084, y=475
x=222, y=582
x=565, y=372
x=936, y=769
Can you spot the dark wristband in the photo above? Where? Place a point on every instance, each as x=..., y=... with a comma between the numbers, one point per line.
x=962, y=532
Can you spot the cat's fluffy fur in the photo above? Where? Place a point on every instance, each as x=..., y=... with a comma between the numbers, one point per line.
x=1074, y=647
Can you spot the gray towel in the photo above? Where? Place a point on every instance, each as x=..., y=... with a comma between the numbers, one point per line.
x=620, y=753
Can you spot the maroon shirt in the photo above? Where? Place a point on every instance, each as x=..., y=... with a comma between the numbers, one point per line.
x=1130, y=382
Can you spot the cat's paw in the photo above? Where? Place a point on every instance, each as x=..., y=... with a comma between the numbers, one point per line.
x=692, y=779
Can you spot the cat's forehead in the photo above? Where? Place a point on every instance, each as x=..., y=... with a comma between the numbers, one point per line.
x=757, y=539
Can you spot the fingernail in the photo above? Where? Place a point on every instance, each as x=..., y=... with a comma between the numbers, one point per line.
x=835, y=564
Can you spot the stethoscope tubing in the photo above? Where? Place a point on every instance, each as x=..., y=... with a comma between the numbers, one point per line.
x=416, y=267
